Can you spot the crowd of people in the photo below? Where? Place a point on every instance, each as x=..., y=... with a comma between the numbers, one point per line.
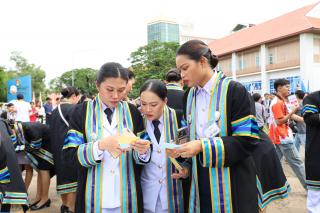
x=194, y=142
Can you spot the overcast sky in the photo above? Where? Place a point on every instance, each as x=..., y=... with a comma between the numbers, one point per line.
x=64, y=34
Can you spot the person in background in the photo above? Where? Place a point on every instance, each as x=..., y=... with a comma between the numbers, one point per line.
x=41, y=112
x=9, y=114
x=130, y=84
x=48, y=108
x=22, y=109
x=175, y=90
x=58, y=100
x=33, y=113
x=311, y=114
x=1, y=109
x=59, y=126
x=280, y=133
x=300, y=136
x=260, y=110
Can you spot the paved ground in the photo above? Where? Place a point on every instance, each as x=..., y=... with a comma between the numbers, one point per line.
x=295, y=203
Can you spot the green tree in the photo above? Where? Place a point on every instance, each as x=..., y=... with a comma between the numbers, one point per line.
x=152, y=61
x=3, y=84
x=84, y=79
x=23, y=67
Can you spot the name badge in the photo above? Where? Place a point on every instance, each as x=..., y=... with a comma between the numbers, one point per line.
x=211, y=129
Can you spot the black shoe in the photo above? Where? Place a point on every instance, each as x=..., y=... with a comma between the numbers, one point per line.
x=45, y=205
x=64, y=209
x=35, y=203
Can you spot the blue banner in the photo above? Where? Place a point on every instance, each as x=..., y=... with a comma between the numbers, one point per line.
x=21, y=85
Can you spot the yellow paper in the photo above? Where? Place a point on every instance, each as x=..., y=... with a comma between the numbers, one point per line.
x=127, y=139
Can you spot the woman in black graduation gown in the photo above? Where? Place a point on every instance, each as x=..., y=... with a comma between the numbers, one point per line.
x=15, y=191
x=59, y=126
x=109, y=176
x=37, y=143
x=223, y=133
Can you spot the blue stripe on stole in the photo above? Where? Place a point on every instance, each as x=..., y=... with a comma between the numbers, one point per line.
x=175, y=194
x=129, y=185
x=310, y=108
x=134, y=194
x=169, y=188
x=88, y=204
x=124, y=182
x=223, y=120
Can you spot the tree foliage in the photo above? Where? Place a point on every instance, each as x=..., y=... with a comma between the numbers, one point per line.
x=152, y=61
x=84, y=80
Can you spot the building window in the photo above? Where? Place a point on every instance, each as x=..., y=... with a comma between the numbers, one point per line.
x=257, y=61
x=270, y=58
x=241, y=63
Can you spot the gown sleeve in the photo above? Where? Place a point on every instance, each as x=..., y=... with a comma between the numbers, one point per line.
x=4, y=172
x=76, y=148
x=310, y=111
x=228, y=150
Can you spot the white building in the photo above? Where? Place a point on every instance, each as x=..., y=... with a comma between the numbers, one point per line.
x=285, y=47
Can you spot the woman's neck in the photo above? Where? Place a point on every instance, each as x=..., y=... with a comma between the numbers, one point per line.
x=206, y=78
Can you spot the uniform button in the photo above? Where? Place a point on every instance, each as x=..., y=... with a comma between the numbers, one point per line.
x=159, y=166
x=203, y=110
x=159, y=151
x=201, y=125
x=112, y=171
x=160, y=181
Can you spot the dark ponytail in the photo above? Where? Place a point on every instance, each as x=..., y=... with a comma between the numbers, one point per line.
x=195, y=49
x=112, y=70
x=69, y=91
x=155, y=86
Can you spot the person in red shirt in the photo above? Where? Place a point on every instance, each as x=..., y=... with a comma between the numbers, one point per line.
x=33, y=112
x=280, y=132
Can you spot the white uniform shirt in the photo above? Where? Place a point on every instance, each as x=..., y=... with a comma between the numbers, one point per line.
x=154, y=174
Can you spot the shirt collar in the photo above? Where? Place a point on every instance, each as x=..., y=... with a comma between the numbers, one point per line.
x=104, y=107
x=160, y=119
x=208, y=86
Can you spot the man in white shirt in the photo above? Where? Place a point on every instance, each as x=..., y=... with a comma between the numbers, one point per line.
x=22, y=109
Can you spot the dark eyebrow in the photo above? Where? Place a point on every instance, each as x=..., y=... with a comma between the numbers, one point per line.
x=182, y=65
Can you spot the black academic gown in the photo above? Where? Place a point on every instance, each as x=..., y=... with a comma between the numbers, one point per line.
x=175, y=99
x=67, y=173
x=238, y=148
x=77, y=123
x=311, y=114
x=15, y=191
x=37, y=139
x=271, y=181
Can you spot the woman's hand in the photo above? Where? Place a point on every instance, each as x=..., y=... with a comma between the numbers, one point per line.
x=189, y=149
x=111, y=145
x=183, y=173
x=172, y=153
x=141, y=146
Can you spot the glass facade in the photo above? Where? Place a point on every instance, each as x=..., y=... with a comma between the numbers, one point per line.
x=163, y=32
x=253, y=86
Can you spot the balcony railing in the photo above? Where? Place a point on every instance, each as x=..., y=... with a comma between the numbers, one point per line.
x=284, y=64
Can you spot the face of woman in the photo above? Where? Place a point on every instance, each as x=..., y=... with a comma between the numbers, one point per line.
x=151, y=105
x=112, y=90
x=190, y=70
